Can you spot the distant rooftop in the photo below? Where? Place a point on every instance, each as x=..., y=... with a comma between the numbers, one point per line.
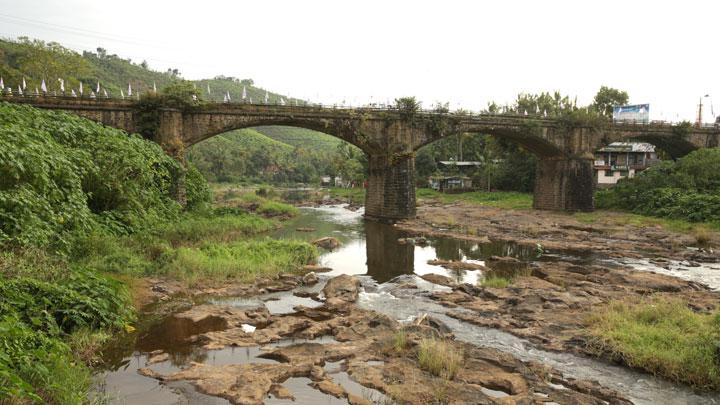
x=639, y=147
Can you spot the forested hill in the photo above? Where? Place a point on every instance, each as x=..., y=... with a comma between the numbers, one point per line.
x=267, y=154
x=35, y=60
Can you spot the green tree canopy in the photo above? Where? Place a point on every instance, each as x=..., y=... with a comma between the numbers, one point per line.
x=607, y=97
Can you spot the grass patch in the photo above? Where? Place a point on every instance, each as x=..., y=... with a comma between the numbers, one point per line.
x=400, y=341
x=663, y=337
x=495, y=282
x=351, y=195
x=276, y=209
x=217, y=228
x=499, y=199
x=439, y=358
x=239, y=261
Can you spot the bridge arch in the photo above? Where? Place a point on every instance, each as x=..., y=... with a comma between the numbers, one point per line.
x=199, y=126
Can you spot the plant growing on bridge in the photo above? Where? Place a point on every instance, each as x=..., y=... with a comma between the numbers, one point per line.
x=408, y=107
x=180, y=94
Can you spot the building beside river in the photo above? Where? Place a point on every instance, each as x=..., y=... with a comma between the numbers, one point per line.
x=622, y=159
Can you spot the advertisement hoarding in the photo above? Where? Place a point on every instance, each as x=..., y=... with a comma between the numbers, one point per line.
x=632, y=113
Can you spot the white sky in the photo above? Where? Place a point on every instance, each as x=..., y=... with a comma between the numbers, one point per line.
x=666, y=53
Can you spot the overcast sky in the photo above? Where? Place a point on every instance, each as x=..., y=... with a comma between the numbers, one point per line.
x=666, y=53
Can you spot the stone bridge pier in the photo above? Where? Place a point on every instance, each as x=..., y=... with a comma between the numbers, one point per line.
x=390, y=193
x=565, y=184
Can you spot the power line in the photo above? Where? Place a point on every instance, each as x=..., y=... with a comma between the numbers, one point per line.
x=78, y=31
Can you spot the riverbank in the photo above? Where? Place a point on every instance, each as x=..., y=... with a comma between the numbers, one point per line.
x=590, y=305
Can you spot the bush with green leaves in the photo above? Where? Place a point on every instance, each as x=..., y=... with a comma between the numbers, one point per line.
x=62, y=175
x=37, y=368
x=687, y=189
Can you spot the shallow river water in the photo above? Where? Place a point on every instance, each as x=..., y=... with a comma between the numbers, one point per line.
x=373, y=252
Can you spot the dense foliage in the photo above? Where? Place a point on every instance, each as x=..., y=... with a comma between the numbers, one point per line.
x=36, y=60
x=61, y=175
x=247, y=155
x=686, y=189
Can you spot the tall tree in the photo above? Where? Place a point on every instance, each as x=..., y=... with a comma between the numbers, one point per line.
x=607, y=97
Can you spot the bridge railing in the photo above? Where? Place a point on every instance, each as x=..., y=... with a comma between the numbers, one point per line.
x=371, y=108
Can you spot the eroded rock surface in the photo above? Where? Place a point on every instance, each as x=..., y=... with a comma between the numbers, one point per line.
x=365, y=345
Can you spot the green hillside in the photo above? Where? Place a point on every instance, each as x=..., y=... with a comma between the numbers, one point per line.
x=301, y=137
x=35, y=60
x=267, y=154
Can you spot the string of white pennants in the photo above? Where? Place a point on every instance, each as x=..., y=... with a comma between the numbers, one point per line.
x=22, y=90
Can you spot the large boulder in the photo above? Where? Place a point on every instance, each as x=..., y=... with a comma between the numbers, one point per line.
x=327, y=242
x=343, y=287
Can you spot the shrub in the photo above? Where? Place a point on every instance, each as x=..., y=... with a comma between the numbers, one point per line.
x=82, y=300
x=61, y=175
x=38, y=368
x=688, y=189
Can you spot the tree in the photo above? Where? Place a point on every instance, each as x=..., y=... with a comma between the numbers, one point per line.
x=408, y=106
x=247, y=82
x=607, y=97
x=50, y=60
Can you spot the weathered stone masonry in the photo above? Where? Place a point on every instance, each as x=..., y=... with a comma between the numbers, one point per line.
x=564, y=174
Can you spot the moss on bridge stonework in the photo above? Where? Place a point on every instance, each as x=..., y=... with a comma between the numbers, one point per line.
x=564, y=144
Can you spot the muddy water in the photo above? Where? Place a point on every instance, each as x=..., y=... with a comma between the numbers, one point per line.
x=374, y=252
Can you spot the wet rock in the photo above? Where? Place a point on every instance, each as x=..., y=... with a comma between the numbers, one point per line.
x=328, y=243
x=316, y=269
x=439, y=279
x=330, y=388
x=158, y=358
x=310, y=278
x=280, y=392
x=421, y=241
x=505, y=264
x=344, y=287
x=457, y=265
x=305, y=229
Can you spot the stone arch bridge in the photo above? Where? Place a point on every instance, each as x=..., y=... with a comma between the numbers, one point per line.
x=390, y=138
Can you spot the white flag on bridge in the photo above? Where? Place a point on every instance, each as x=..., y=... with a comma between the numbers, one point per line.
x=43, y=86
x=81, y=89
x=72, y=93
x=208, y=86
x=122, y=95
x=24, y=84
x=97, y=89
x=228, y=96
x=37, y=93
x=2, y=84
x=244, y=94
x=129, y=90
x=267, y=97
x=62, y=85
x=19, y=90
x=105, y=93
x=154, y=87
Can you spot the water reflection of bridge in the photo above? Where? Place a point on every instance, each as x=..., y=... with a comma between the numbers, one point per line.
x=387, y=258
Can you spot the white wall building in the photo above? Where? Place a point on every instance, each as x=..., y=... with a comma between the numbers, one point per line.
x=622, y=159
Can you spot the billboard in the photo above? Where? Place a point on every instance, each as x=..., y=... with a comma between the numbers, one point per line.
x=632, y=113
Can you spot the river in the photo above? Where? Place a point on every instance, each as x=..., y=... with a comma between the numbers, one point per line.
x=377, y=254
